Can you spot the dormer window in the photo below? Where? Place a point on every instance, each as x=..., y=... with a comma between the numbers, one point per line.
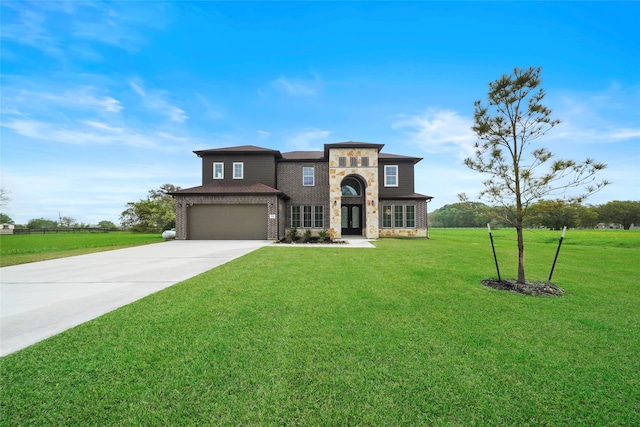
x=238, y=170
x=218, y=170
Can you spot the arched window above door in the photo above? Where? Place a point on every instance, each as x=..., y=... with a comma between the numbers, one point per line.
x=351, y=187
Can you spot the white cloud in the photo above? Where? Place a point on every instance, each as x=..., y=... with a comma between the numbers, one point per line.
x=90, y=132
x=297, y=87
x=607, y=116
x=177, y=114
x=28, y=28
x=137, y=88
x=18, y=100
x=438, y=131
x=155, y=100
x=308, y=140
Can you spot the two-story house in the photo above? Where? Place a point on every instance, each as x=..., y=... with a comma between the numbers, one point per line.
x=349, y=189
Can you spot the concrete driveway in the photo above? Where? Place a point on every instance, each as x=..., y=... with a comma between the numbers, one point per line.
x=41, y=299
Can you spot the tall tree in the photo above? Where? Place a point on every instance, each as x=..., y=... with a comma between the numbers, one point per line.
x=155, y=213
x=505, y=128
x=553, y=214
x=620, y=212
x=42, y=223
x=5, y=219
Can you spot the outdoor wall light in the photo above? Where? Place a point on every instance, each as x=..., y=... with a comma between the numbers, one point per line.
x=335, y=203
x=372, y=203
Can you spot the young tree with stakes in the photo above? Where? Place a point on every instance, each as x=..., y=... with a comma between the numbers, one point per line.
x=505, y=128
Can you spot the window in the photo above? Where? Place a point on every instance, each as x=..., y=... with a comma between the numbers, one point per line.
x=308, y=178
x=401, y=216
x=342, y=162
x=386, y=216
x=351, y=187
x=410, y=216
x=295, y=216
x=238, y=170
x=364, y=161
x=319, y=217
x=218, y=170
x=307, y=216
x=391, y=176
x=353, y=162
x=398, y=217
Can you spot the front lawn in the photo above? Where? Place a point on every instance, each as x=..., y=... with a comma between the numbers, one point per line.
x=399, y=335
x=25, y=248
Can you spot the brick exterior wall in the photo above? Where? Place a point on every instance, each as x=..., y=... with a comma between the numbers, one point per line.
x=289, y=175
x=184, y=202
x=420, y=229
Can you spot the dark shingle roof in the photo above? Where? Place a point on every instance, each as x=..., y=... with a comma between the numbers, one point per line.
x=387, y=156
x=228, y=188
x=414, y=196
x=242, y=149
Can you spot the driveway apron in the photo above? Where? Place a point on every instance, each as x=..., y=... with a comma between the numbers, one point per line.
x=41, y=299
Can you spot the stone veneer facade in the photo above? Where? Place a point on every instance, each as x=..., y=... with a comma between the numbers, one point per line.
x=368, y=174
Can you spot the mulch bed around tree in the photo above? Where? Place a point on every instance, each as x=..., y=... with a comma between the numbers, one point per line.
x=527, y=288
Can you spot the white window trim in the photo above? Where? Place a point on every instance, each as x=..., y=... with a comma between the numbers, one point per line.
x=241, y=170
x=386, y=167
x=313, y=176
x=214, y=170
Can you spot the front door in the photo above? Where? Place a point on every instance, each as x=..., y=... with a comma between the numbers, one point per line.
x=351, y=217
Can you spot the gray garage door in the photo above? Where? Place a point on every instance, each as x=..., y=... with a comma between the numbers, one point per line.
x=227, y=222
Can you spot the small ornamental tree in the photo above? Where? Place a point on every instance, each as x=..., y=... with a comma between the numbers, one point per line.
x=505, y=129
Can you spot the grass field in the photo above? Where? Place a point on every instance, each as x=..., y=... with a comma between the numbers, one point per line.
x=399, y=335
x=24, y=248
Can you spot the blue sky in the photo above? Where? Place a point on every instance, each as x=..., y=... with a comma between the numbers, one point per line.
x=102, y=102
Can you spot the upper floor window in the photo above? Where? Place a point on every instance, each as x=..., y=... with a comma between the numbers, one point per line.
x=391, y=176
x=342, y=162
x=308, y=177
x=218, y=170
x=238, y=170
x=353, y=162
x=365, y=162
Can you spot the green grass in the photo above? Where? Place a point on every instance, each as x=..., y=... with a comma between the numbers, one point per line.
x=399, y=335
x=25, y=248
